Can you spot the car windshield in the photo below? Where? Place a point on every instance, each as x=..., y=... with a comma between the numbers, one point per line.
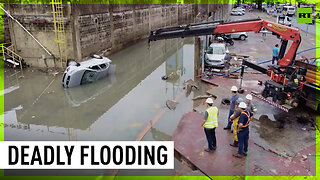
x=281, y=19
x=216, y=50
x=89, y=77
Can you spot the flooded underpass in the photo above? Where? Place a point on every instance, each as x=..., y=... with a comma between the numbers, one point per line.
x=118, y=107
x=131, y=105
x=123, y=105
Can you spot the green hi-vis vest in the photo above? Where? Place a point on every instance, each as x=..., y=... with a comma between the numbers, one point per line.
x=212, y=120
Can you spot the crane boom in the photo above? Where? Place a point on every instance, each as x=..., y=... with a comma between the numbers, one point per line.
x=219, y=27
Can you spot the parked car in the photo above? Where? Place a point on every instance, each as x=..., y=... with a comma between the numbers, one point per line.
x=241, y=10
x=239, y=35
x=284, y=20
x=85, y=72
x=215, y=55
x=236, y=13
x=289, y=10
x=270, y=11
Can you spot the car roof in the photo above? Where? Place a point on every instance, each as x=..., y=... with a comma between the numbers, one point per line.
x=217, y=45
x=95, y=61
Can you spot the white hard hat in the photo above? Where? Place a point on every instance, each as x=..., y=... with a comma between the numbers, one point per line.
x=234, y=88
x=249, y=97
x=209, y=101
x=242, y=105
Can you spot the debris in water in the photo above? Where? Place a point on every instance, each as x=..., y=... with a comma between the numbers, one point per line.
x=304, y=128
x=171, y=104
x=202, y=97
x=55, y=73
x=164, y=77
x=189, y=85
x=33, y=117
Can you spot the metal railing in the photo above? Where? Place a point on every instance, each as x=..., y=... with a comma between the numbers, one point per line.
x=8, y=51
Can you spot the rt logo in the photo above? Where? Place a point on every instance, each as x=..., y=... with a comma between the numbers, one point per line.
x=304, y=15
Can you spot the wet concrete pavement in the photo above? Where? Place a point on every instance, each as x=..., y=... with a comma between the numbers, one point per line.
x=285, y=147
x=259, y=162
x=272, y=129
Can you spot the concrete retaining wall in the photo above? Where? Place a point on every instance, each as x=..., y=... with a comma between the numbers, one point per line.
x=111, y=27
x=92, y=29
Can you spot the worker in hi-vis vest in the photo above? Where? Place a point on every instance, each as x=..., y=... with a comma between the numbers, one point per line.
x=243, y=131
x=209, y=124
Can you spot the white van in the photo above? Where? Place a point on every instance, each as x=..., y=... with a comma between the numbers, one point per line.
x=289, y=10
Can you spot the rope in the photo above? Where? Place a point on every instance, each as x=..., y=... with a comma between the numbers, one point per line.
x=270, y=102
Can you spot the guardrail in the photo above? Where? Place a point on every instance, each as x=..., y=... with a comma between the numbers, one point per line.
x=8, y=51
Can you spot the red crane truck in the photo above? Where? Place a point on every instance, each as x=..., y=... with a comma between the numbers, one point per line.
x=290, y=83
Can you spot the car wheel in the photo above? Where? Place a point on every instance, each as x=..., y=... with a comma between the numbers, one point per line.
x=243, y=37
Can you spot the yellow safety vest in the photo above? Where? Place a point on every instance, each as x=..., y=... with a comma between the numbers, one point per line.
x=212, y=120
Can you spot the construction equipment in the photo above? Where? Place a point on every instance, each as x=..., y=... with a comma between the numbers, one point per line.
x=289, y=83
x=220, y=27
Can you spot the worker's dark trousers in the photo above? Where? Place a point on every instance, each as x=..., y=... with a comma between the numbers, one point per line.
x=230, y=114
x=243, y=137
x=211, y=138
x=274, y=59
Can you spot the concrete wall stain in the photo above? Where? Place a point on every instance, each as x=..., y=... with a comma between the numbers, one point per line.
x=92, y=29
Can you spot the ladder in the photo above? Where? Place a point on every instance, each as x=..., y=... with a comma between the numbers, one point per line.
x=59, y=30
x=10, y=56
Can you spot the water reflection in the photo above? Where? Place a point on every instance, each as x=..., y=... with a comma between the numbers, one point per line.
x=78, y=96
x=159, y=135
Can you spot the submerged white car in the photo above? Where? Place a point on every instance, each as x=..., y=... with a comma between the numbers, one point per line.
x=85, y=72
x=215, y=55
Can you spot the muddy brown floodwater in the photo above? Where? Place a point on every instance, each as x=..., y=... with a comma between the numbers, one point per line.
x=118, y=107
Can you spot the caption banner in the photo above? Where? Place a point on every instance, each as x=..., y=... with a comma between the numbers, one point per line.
x=87, y=155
